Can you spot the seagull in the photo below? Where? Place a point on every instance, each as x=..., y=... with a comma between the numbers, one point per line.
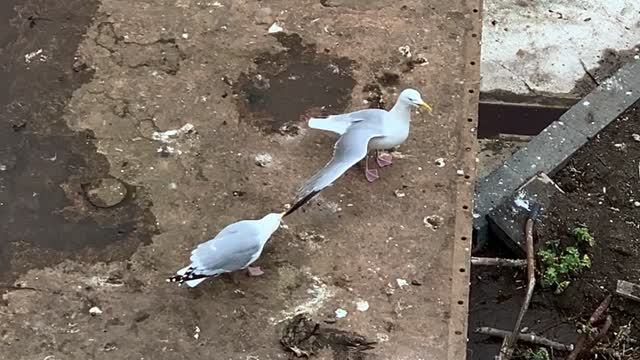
x=360, y=132
x=234, y=248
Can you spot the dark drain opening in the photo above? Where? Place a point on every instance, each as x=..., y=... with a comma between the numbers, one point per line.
x=496, y=118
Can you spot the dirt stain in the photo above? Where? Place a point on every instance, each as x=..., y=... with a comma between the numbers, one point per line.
x=288, y=85
x=45, y=215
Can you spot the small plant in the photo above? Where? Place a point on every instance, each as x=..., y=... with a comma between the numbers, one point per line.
x=559, y=265
x=583, y=235
x=539, y=354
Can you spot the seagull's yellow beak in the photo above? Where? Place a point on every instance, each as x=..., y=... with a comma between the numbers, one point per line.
x=424, y=105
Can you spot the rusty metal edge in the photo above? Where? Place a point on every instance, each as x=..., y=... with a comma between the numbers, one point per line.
x=466, y=130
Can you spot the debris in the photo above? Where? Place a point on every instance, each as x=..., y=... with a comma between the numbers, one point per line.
x=399, y=193
x=28, y=58
x=440, y=162
x=304, y=337
x=590, y=337
x=196, y=335
x=433, y=221
x=362, y=305
x=263, y=160
x=530, y=338
x=274, y=28
x=166, y=150
x=140, y=316
x=170, y=135
x=628, y=290
x=94, y=311
x=506, y=350
x=405, y=51
x=311, y=236
x=402, y=283
x=621, y=146
x=480, y=261
x=341, y=313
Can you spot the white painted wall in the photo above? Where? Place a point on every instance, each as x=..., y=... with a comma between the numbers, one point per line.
x=545, y=40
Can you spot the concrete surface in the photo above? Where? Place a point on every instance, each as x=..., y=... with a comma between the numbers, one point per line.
x=538, y=47
x=508, y=219
x=548, y=151
x=176, y=111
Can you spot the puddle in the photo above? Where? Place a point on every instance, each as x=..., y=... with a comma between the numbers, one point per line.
x=518, y=119
x=290, y=84
x=47, y=214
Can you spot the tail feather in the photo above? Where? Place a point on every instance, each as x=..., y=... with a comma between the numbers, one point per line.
x=187, y=275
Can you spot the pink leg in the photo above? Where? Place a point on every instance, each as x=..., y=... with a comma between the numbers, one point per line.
x=370, y=174
x=384, y=159
x=254, y=271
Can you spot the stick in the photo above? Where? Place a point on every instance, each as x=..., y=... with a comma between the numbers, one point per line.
x=598, y=314
x=585, y=343
x=483, y=261
x=506, y=350
x=526, y=337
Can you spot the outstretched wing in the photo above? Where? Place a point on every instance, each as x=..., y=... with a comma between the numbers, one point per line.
x=339, y=124
x=348, y=150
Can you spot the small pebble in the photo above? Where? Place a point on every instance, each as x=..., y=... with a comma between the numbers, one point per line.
x=340, y=313
x=362, y=305
x=440, y=162
x=636, y=137
x=402, y=283
x=95, y=311
x=416, y=282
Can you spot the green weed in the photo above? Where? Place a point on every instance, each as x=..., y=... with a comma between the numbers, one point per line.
x=583, y=235
x=561, y=265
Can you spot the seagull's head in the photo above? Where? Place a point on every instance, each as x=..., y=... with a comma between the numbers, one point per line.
x=413, y=98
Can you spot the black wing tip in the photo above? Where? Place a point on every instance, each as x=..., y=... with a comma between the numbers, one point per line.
x=301, y=202
x=189, y=275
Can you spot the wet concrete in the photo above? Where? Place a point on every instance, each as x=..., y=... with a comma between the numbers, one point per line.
x=45, y=215
x=319, y=82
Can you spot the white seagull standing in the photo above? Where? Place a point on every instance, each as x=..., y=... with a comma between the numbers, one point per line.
x=361, y=131
x=234, y=248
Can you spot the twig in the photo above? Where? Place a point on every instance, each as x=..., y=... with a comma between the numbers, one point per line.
x=526, y=337
x=598, y=313
x=506, y=350
x=585, y=342
x=483, y=261
x=589, y=74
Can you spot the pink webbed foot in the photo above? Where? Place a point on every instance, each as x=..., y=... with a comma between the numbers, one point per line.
x=384, y=159
x=254, y=271
x=371, y=175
